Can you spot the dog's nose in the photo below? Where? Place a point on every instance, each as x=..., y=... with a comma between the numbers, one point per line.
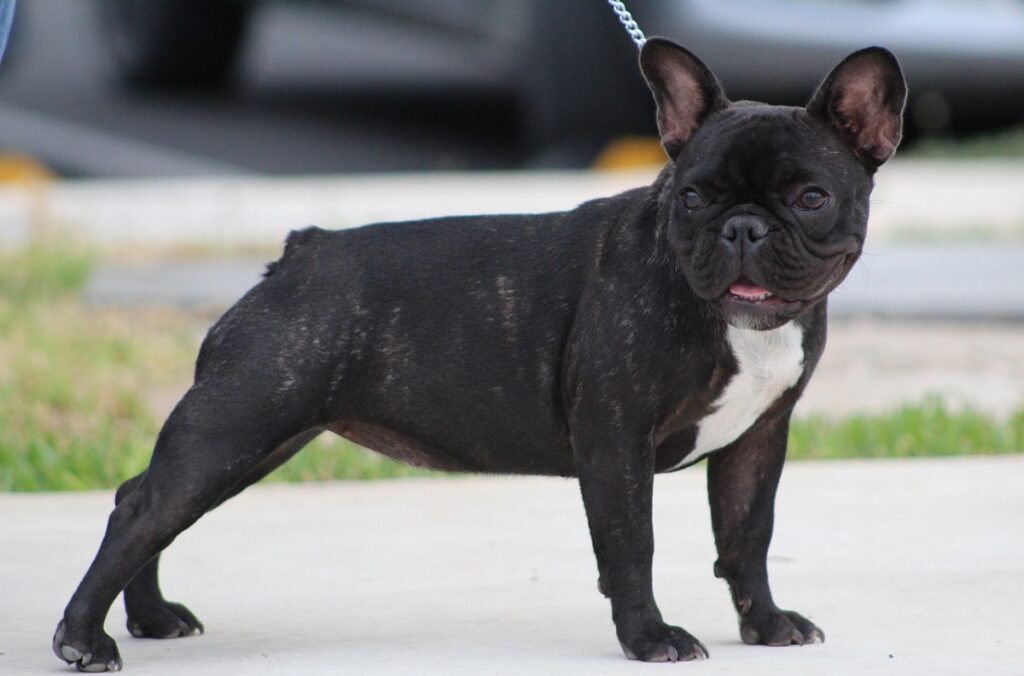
x=744, y=228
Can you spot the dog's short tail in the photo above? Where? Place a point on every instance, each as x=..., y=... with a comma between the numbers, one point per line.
x=295, y=240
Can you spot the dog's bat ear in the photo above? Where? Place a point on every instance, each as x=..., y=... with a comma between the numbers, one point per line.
x=863, y=98
x=685, y=90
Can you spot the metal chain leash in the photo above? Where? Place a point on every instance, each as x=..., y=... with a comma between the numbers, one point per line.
x=628, y=22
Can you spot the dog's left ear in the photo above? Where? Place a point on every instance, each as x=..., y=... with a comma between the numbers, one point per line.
x=863, y=98
x=685, y=90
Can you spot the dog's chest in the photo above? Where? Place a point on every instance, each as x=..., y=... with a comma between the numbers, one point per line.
x=768, y=364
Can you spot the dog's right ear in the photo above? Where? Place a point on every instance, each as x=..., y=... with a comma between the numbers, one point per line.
x=685, y=90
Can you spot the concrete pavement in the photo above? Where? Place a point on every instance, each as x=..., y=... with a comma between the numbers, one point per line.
x=911, y=567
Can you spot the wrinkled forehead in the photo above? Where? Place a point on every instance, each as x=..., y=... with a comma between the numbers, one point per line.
x=764, y=147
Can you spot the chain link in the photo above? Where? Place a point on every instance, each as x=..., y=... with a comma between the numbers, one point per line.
x=628, y=22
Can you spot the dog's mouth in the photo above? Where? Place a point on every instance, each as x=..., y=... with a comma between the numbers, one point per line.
x=749, y=298
x=745, y=292
x=748, y=292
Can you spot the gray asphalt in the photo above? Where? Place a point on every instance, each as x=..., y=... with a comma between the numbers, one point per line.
x=912, y=568
x=941, y=280
x=935, y=281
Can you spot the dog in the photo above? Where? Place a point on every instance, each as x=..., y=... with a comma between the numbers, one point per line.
x=634, y=335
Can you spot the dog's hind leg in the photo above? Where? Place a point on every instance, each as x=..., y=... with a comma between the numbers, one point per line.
x=211, y=447
x=150, y=615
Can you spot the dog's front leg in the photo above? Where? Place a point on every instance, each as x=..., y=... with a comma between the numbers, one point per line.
x=741, y=488
x=616, y=472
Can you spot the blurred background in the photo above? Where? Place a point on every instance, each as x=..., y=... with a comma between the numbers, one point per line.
x=185, y=87
x=154, y=153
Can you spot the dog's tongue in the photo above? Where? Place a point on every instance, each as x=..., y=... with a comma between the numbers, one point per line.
x=748, y=291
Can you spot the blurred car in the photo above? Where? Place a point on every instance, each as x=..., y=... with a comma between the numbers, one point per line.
x=964, y=61
x=572, y=69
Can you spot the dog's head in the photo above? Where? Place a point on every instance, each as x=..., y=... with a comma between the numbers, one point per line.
x=768, y=205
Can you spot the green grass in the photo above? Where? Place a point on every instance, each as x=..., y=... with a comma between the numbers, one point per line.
x=42, y=270
x=926, y=429
x=76, y=384
x=70, y=411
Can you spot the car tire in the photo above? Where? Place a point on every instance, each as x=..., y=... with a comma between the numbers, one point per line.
x=175, y=43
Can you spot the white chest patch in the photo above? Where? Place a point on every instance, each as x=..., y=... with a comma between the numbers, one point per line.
x=770, y=362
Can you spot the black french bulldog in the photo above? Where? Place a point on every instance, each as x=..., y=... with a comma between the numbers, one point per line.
x=632, y=335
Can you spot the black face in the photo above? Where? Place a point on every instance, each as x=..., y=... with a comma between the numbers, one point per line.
x=769, y=204
x=769, y=214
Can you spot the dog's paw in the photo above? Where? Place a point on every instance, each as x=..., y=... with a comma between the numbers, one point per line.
x=660, y=642
x=87, y=653
x=163, y=620
x=779, y=628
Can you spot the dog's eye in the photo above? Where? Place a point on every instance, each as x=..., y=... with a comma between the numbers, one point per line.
x=812, y=199
x=691, y=198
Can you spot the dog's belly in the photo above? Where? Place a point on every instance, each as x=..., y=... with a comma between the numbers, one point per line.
x=769, y=363
x=542, y=457
x=401, y=447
